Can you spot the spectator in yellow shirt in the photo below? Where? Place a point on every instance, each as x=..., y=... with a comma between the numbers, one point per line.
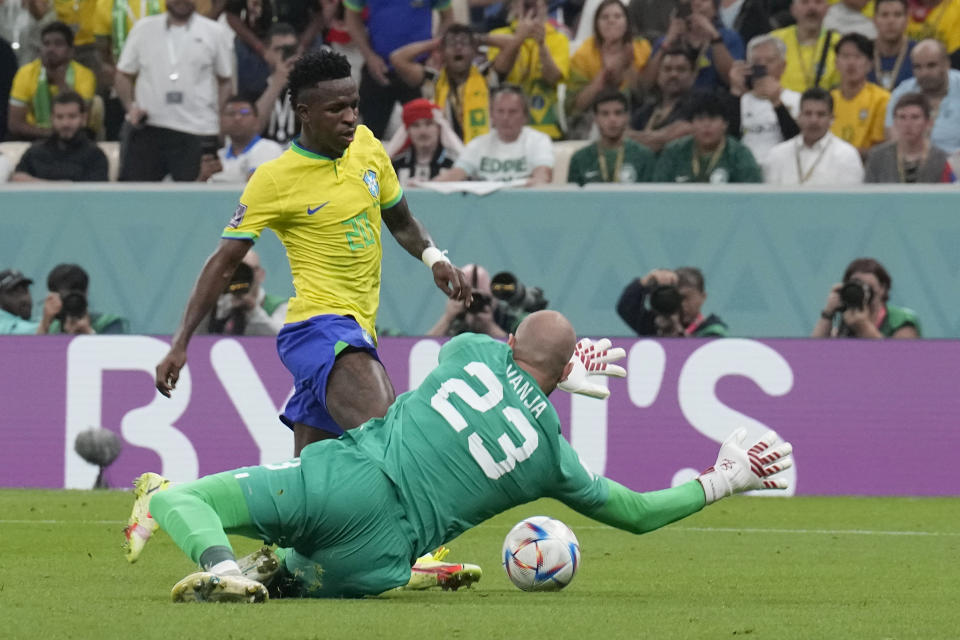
x=537, y=59
x=80, y=16
x=936, y=19
x=610, y=59
x=859, y=107
x=810, y=54
x=37, y=83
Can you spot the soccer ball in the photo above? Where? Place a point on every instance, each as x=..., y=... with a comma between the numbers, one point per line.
x=541, y=554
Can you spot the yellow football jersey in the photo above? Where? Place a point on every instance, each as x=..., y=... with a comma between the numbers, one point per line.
x=860, y=121
x=326, y=213
x=942, y=23
x=803, y=61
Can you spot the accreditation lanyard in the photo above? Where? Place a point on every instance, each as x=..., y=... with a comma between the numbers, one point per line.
x=618, y=164
x=711, y=164
x=693, y=326
x=806, y=176
x=172, y=54
x=901, y=162
x=887, y=81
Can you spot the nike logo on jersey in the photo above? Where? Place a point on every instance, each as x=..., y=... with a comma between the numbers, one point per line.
x=312, y=211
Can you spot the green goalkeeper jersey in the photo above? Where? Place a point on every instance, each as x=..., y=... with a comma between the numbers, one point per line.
x=478, y=437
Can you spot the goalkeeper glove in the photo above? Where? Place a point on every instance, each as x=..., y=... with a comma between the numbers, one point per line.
x=589, y=359
x=739, y=469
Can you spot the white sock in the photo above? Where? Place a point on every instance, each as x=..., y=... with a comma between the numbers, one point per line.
x=226, y=568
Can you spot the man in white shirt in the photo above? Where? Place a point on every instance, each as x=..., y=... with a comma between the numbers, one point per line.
x=768, y=112
x=182, y=63
x=511, y=151
x=816, y=157
x=244, y=149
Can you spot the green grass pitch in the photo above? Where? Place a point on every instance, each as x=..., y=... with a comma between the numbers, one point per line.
x=804, y=568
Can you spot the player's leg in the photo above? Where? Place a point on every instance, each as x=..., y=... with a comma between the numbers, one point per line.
x=339, y=381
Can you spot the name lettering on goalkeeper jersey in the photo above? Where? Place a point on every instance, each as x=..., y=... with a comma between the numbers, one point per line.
x=535, y=403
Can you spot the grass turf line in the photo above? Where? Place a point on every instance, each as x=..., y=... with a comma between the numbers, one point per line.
x=762, y=568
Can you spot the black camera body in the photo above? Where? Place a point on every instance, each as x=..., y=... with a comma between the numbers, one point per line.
x=757, y=71
x=507, y=288
x=855, y=294
x=665, y=299
x=73, y=305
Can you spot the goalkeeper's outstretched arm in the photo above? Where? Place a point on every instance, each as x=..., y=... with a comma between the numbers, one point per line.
x=737, y=469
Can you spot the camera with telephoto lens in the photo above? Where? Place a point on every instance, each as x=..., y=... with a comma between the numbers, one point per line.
x=479, y=303
x=242, y=280
x=855, y=294
x=513, y=293
x=665, y=300
x=73, y=305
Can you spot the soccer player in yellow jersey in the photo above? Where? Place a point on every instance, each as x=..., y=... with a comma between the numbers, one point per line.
x=324, y=198
x=859, y=106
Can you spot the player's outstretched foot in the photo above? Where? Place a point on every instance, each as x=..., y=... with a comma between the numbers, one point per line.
x=141, y=526
x=209, y=587
x=431, y=571
x=263, y=565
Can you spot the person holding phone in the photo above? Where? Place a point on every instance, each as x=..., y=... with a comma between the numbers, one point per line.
x=767, y=111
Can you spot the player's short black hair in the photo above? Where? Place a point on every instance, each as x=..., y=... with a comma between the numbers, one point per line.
x=71, y=97
x=610, y=95
x=863, y=44
x=68, y=277
x=708, y=104
x=819, y=95
x=316, y=66
x=59, y=27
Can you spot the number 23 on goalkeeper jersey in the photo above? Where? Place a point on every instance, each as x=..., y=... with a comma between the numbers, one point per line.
x=326, y=213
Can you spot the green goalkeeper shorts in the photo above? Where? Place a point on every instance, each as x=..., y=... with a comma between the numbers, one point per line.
x=338, y=515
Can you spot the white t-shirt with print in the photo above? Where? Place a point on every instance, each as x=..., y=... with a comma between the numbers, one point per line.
x=759, y=127
x=238, y=167
x=487, y=157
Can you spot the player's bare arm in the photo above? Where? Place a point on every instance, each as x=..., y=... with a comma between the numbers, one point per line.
x=413, y=237
x=213, y=278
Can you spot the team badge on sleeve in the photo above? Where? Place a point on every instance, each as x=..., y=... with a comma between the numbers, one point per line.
x=237, y=216
x=370, y=179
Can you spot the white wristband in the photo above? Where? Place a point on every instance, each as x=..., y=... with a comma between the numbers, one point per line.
x=432, y=255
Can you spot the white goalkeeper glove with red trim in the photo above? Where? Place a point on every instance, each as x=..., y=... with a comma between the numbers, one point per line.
x=740, y=469
x=593, y=359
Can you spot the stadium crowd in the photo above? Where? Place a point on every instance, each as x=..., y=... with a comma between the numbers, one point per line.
x=718, y=91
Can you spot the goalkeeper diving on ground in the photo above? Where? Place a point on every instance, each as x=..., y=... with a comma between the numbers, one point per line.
x=358, y=515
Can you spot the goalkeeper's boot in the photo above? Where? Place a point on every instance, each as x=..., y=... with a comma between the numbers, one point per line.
x=431, y=571
x=141, y=526
x=263, y=565
x=204, y=586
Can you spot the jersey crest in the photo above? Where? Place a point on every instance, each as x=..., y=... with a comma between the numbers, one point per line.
x=370, y=179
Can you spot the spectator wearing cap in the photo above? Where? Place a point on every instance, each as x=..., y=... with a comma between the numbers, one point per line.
x=859, y=106
x=423, y=143
x=68, y=154
x=709, y=154
x=244, y=150
x=16, y=306
x=459, y=87
x=39, y=82
x=512, y=151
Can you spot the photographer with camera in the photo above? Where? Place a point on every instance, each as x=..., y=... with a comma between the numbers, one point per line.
x=859, y=308
x=66, y=309
x=675, y=299
x=499, y=304
x=244, y=308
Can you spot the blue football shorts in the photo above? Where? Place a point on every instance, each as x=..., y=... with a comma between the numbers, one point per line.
x=309, y=349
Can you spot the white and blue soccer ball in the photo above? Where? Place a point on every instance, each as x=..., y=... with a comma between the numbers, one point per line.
x=541, y=554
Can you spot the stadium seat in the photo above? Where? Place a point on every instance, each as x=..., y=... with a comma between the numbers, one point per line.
x=112, y=151
x=562, y=152
x=12, y=152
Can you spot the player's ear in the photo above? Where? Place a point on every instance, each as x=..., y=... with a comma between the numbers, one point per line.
x=566, y=372
x=511, y=340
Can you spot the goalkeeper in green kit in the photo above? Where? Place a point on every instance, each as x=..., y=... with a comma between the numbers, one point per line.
x=478, y=436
